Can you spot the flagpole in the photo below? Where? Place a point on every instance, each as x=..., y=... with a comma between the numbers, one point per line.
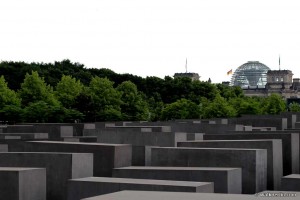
x=279, y=61
x=185, y=65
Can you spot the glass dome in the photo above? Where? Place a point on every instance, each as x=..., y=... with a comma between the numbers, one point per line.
x=250, y=74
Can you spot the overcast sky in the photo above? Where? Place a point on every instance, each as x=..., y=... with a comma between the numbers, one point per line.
x=153, y=37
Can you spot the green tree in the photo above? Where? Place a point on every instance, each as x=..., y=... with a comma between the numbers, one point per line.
x=274, y=104
x=36, y=112
x=133, y=106
x=67, y=90
x=10, y=104
x=229, y=92
x=219, y=107
x=7, y=96
x=181, y=109
x=246, y=105
x=294, y=107
x=34, y=89
x=106, y=100
x=155, y=107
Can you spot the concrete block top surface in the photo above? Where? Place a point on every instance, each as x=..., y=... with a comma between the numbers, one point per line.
x=255, y=140
x=140, y=181
x=143, y=126
x=237, y=149
x=79, y=143
x=179, y=168
x=259, y=132
x=17, y=169
x=297, y=176
x=45, y=153
x=149, y=195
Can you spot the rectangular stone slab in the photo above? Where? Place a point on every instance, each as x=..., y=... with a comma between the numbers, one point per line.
x=291, y=182
x=138, y=138
x=91, y=186
x=60, y=168
x=106, y=156
x=3, y=148
x=274, y=154
x=26, y=136
x=252, y=161
x=226, y=180
x=22, y=183
x=149, y=195
x=290, y=146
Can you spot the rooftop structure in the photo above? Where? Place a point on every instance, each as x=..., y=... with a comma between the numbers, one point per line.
x=193, y=76
x=250, y=74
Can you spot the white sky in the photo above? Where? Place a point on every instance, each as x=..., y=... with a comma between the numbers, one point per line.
x=153, y=37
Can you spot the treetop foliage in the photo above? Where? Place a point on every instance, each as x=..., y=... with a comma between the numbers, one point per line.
x=65, y=91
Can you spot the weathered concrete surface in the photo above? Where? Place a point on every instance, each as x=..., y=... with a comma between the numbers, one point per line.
x=291, y=182
x=3, y=147
x=147, y=195
x=141, y=155
x=22, y=183
x=91, y=139
x=55, y=130
x=274, y=154
x=281, y=123
x=195, y=136
x=226, y=180
x=25, y=136
x=138, y=138
x=252, y=161
x=190, y=126
x=60, y=168
x=106, y=156
x=142, y=128
x=290, y=145
x=91, y=186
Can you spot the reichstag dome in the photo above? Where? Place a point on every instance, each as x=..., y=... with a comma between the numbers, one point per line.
x=251, y=74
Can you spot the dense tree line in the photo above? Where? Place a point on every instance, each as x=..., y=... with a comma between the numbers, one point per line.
x=66, y=91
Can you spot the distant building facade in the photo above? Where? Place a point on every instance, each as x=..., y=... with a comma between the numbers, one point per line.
x=193, y=76
x=280, y=82
x=256, y=79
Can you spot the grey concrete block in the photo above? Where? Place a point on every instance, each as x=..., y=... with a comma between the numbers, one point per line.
x=141, y=128
x=53, y=130
x=91, y=186
x=106, y=156
x=261, y=121
x=19, y=129
x=91, y=139
x=60, y=168
x=89, y=126
x=274, y=154
x=190, y=126
x=11, y=137
x=226, y=180
x=194, y=136
x=3, y=148
x=290, y=145
x=291, y=182
x=148, y=195
x=138, y=138
x=66, y=131
x=22, y=183
x=141, y=155
x=252, y=161
x=25, y=136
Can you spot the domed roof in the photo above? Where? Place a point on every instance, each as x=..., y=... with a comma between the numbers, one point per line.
x=250, y=74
